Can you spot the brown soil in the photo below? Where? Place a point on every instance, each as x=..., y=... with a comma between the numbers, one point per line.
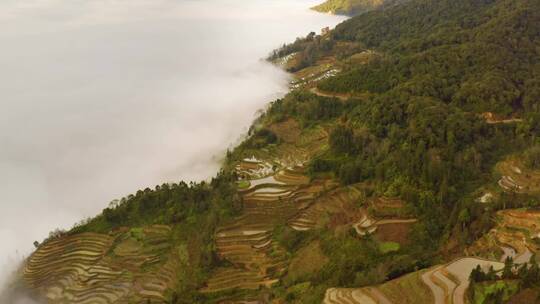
x=336, y=208
x=344, y=218
x=492, y=118
x=245, y=165
x=340, y=96
x=307, y=260
x=398, y=233
x=288, y=130
x=525, y=296
x=385, y=207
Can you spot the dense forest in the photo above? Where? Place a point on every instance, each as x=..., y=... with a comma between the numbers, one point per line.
x=418, y=133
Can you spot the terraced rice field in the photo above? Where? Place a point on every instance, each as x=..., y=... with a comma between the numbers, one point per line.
x=275, y=190
x=247, y=243
x=309, y=143
x=369, y=295
x=449, y=282
x=339, y=201
x=295, y=151
x=297, y=147
x=387, y=207
x=387, y=213
x=252, y=168
x=514, y=235
x=368, y=225
x=516, y=177
x=99, y=268
x=440, y=284
x=285, y=61
x=408, y=289
x=365, y=226
x=315, y=73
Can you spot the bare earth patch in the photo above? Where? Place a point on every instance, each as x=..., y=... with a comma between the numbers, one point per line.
x=289, y=130
x=307, y=260
x=398, y=233
x=529, y=296
x=492, y=118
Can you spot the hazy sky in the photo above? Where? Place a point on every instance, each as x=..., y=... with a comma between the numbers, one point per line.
x=100, y=98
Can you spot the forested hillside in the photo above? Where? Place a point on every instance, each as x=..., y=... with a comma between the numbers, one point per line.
x=403, y=167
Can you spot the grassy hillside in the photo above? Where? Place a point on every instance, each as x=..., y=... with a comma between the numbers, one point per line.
x=406, y=153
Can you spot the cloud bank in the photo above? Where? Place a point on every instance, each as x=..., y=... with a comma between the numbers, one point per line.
x=101, y=98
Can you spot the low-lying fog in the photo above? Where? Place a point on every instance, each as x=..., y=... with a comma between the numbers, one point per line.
x=101, y=98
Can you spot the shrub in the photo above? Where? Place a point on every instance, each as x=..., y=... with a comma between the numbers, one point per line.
x=532, y=157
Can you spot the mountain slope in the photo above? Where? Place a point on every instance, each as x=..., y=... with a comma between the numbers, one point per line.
x=405, y=154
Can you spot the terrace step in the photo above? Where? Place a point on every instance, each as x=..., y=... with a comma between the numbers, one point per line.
x=77, y=269
x=230, y=278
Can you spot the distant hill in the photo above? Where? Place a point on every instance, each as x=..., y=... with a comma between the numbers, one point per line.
x=353, y=7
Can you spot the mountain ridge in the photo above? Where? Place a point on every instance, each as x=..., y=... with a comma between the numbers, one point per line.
x=381, y=167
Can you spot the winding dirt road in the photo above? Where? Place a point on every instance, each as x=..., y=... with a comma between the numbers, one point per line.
x=342, y=97
x=396, y=221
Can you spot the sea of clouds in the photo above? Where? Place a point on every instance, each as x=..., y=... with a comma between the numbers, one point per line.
x=100, y=98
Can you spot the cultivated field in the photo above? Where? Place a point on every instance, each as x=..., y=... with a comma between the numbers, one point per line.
x=386, y=218
x=335, y=208
x=127, y=266
x=516, y=177
x=516, y=235
x=257, y=260
x=275, y=191
x=324, y=68
x=441, y=284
